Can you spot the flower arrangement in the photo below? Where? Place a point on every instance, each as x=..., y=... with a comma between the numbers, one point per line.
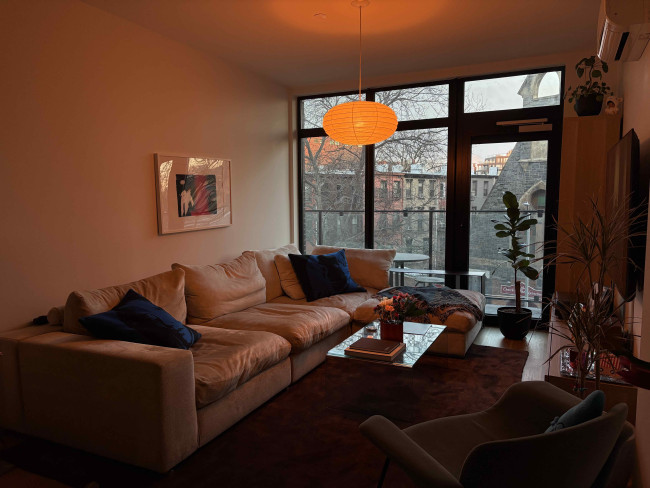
x=400, y=307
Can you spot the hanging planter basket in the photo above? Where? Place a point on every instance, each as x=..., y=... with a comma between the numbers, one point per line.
x=589, y=105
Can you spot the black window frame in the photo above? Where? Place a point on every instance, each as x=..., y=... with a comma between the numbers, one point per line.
x=464, y=129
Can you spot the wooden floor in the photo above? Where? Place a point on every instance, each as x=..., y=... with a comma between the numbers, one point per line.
x=536, y=343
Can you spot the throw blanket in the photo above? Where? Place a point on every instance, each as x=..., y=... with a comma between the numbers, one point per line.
x=442, y=301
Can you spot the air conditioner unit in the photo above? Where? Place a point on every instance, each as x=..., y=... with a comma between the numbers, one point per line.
x=623, y=29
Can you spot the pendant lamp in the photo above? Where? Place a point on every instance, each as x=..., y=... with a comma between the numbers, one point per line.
x=360, y=123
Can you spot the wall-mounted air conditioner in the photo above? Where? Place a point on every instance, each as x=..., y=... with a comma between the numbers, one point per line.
x=623, y=29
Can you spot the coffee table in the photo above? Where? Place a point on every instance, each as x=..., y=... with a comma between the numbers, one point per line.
x=416, y=345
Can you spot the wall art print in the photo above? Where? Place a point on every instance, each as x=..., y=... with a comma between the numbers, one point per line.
x=192, y=193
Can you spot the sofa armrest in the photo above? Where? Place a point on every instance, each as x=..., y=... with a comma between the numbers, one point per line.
x=403, y=450
x=130, y=402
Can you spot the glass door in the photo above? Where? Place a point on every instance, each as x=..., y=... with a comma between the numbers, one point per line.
x=521, y=168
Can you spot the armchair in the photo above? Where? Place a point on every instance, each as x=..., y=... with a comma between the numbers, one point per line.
x=505, y=445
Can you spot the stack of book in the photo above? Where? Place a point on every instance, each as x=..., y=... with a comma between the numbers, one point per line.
x=378, y=349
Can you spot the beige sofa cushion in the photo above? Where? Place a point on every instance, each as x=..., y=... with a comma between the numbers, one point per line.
x=217, y=289
x=459, y=322
x=348, y=302
x=301, y=325
x=165, y=290
x=266, y=264
x=226, y=359
x=368, y=267
x=288, y=278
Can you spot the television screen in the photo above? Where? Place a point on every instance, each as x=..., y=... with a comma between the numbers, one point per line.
x=627, y=185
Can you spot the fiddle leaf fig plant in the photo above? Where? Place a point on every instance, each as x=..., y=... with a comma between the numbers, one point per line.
x=514, y=223
x=592, y=70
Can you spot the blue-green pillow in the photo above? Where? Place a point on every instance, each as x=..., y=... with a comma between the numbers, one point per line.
x=136, y=319
x=323, y=275
x=589, y=408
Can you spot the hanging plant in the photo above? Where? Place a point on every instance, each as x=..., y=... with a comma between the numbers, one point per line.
x=592, y=90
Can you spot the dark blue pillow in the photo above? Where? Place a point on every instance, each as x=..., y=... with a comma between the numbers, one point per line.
x=323, y=275
x=136, y=319
x=589, y=408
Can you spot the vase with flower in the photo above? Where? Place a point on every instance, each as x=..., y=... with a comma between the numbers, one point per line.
x=393, y=311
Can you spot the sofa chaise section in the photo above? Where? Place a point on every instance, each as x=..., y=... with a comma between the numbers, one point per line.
x=11, y=406
x=461, y=328
x=146, y=405
x=126, y=401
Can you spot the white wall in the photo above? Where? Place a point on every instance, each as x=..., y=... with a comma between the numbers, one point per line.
x=636, y=93
x=86, y=99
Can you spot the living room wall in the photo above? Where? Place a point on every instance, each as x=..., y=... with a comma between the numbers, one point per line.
x=87, y=98
x=636, y=110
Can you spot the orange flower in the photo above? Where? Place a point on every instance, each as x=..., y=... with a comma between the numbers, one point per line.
x=389, y=308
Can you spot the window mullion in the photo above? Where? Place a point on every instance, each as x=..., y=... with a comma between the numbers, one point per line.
x=370, y=187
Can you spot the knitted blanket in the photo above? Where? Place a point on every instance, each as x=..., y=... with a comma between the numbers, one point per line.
x=442, y=301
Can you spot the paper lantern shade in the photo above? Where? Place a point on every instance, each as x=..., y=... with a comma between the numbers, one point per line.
x=360, y=123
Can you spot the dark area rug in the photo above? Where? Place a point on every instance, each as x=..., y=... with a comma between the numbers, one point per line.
x=307, y=435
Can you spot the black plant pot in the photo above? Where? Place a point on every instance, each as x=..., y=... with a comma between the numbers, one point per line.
x=589, y=105
x=514, y=325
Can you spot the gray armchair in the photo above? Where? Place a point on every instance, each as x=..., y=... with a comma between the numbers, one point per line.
x=505, y=445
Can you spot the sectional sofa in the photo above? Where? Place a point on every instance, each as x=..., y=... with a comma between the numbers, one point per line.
x=153, y=406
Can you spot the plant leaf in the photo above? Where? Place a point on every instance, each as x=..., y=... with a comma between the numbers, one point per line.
x=530, y=272
x=580, y=72
x=500, y=227
x=510, y=200
x=503, y=233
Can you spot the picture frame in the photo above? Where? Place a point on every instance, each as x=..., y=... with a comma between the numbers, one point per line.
x=192, y=193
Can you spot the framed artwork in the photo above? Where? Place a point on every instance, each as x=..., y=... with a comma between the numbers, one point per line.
x=192, y=193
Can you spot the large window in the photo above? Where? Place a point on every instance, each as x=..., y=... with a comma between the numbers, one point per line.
x=433, y=186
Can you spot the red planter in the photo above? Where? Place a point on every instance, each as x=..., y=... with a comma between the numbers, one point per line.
x=391, y=331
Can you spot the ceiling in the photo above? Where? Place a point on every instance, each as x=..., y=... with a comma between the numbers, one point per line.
x=286, y=41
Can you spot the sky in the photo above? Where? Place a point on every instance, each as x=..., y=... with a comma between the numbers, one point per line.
x=501, y=94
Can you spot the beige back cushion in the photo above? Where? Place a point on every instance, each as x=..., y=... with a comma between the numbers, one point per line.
x=218, y=289
x=167, y=290
x=368, y=267
x=288, y=278
x=266, y=264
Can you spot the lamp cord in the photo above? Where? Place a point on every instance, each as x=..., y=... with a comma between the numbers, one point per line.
x=359, y=53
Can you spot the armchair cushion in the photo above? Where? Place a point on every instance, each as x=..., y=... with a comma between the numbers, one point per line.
x=136, y=319
x=589, y=408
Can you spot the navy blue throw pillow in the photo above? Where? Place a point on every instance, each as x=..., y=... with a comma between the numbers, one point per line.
x=136, y=319
x=588, y=409
x=323, y=275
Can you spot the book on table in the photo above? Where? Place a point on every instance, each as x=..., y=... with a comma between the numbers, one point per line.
x=379, y=349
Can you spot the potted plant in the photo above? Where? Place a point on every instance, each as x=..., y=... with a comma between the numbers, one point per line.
x=589, y=95
x=593, y=328
x=514, y=322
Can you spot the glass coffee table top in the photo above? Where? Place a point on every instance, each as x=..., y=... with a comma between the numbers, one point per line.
x=416, y=344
